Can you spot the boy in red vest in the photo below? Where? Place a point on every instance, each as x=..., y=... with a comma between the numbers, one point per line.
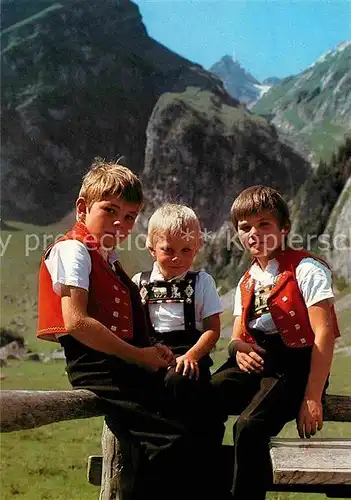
x=90, y=306
x=282, y=342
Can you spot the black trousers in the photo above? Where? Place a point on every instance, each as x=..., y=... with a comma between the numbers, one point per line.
x=190, y=400
x=265, y=403
x=141, y=408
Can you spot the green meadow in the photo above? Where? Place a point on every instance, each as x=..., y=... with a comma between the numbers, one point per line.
x=50, y=462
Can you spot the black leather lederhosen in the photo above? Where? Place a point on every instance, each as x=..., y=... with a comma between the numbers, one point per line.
x=265, y=402
x=279, y=359
x=179, y=341
x=136, y=409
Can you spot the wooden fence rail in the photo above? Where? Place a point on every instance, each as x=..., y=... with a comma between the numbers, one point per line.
x=319, y=465
x=30, y=409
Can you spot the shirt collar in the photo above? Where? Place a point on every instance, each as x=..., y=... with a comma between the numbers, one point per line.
x=109, y=256
x=261, y=275
x=156, y=274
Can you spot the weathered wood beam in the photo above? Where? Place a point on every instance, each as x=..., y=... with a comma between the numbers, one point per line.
x=320, y=461
x=30, y=409
x=337, y=408
x=120, y=465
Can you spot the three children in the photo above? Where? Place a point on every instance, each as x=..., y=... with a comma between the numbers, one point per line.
x=145, y=348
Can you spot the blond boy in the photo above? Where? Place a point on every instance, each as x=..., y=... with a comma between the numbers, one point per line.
x=183, y=307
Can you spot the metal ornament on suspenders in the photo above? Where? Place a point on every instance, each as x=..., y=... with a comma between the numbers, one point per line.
x=177, y=291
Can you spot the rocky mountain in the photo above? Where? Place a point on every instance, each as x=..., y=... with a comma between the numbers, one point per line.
x=322, y=213
x=81, y=79
x=271, y=80
x=239, y=83
x=211, y=152
x=313, y=109
x=339, y=237
x=84, y=79
x=320, y=193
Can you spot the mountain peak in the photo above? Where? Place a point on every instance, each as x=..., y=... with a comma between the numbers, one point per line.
x=333, y=52
x=343, y=45
x=230, y=64
x=238, y=82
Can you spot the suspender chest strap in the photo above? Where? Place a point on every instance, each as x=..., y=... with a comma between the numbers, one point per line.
x=173, y=291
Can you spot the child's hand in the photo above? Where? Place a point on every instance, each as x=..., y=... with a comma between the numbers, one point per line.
x=188, y=366
x=166, y=354
x=310, y=418
x=249, y=356
x=152, y=359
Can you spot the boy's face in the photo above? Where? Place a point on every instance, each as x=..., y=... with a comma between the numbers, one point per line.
x=261, y=234
x=110, y=220
x=174, y=254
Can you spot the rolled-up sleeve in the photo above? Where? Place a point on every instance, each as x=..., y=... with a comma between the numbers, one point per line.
x=210, y=303
x=314, y=281
x=69, y=263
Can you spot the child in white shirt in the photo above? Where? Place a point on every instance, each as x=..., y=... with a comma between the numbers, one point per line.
x=183, y=306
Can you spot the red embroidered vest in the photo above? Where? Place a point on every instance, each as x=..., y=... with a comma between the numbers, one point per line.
x=285, y=302
x=109, y=298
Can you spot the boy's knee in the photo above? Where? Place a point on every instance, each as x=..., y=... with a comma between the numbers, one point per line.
x=218, y=380
x=249, y=427
x=174, y=379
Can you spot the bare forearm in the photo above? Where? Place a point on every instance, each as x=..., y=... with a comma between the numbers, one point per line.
x=237, y=329
x=92, y=333
x=322, y=352
x=322, y=355
x=204, y=345
x=235, y=338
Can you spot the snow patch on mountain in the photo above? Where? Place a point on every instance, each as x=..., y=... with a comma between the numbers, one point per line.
x=262, y=89
x=331, y=53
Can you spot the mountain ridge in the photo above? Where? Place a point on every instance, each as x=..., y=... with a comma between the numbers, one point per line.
x=84, y=79
x=313, y=108
x=239, y=82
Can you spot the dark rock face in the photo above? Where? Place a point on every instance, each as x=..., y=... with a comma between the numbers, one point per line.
x=7, y=336
x=205, y=158
x=83, y=79
x=79, y=79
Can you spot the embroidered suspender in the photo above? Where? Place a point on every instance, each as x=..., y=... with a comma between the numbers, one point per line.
x=169, y=292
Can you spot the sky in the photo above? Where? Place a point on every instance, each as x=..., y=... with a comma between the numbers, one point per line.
x=268, y=37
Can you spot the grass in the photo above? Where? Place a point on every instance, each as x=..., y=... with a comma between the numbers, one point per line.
x=53, y=458
x=204, y=104
x=50, y=462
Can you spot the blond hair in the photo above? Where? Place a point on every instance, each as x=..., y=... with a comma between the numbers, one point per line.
x=256, y=199
x=110, y=179
x=175, y=220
